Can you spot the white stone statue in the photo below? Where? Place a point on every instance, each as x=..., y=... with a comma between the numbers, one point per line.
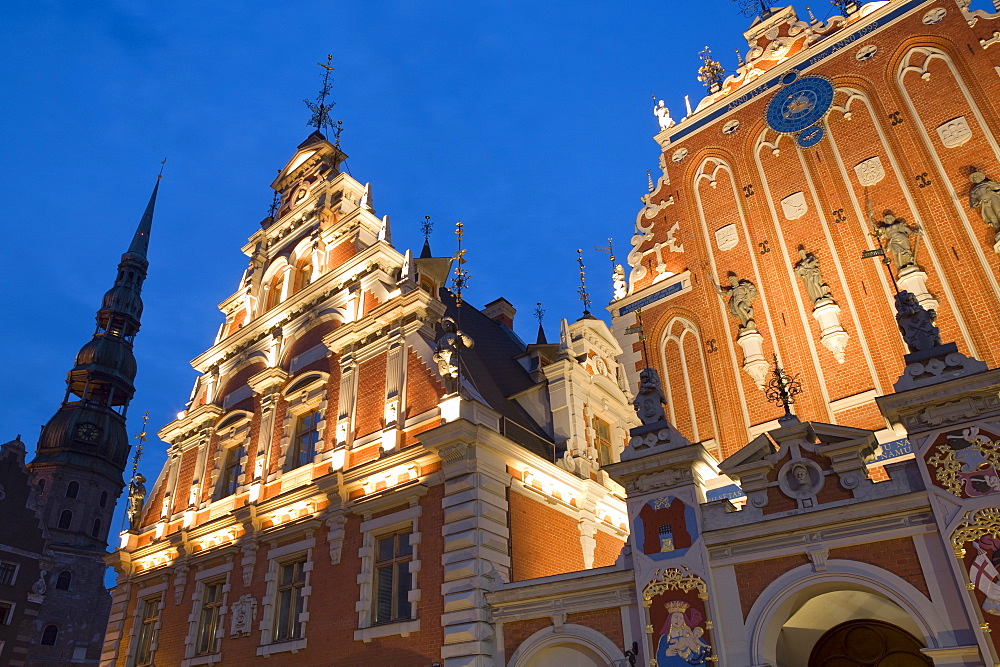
x=662, y=114
x=620, y=286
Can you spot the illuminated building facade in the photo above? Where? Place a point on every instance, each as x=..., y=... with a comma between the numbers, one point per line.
x=371, y=469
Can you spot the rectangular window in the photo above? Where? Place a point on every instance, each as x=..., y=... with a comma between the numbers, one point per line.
x=149, y=614
x=6, y=613
x=229, y=479
x=602, y=432
x=291, y=579
x=303, y=447
x=7, y=571
x=392, y=581
x=208, y=623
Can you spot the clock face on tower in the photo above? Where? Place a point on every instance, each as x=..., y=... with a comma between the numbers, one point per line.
x=87, y=432
x=800, y=104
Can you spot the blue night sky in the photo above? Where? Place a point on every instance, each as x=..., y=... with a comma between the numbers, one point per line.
x=530, y=122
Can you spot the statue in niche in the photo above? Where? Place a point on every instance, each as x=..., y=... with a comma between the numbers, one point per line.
x=741, y=293
x=985, y=197
x=446, y=353
x=808, y=269
x=136, y=497
x=915, y=323
x=662, y=114
x=897, y=240
x=649, y=401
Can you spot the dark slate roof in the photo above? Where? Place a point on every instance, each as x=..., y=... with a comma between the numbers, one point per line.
x=494, y=371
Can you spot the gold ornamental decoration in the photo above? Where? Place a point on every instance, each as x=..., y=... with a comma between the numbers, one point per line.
x=976, y=524
x=673, y=579
x=951, y=471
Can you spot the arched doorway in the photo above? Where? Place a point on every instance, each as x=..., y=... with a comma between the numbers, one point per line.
x=866, y=642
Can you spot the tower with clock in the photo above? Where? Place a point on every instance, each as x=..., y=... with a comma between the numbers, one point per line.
x=77, y=472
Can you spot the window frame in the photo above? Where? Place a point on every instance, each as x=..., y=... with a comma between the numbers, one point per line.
x=150, y=594
x=6, y=619
x=392, y=564
x=302, y=453
x=289, y=602
x=209, y=617
x=372, y=529
x=45, y=632
x=59, y=580
x=232, y=458
x=602, y=444
x=276, y=557
x=13, y=572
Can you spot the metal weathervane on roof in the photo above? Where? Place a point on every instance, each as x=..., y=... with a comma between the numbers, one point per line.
x=321, y=109
x=582, y=290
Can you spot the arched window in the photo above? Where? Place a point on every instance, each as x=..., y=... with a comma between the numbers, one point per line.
x=49, y=635
x=274, y=289
x=65, y=519
x=231, y=473
x=104, y=498
x=96, y=530
x=73, y=490
x=62, y=583
x=303, y=273
x=41, y=486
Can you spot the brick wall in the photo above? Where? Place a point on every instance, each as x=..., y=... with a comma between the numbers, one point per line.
x=543, y=540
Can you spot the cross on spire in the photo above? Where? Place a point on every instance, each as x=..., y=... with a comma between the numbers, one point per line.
x=320, y=109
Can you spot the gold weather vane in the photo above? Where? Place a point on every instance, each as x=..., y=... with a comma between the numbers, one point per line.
x=582, y=290
x=320, y=109
x=461, y=279
x=710, y=73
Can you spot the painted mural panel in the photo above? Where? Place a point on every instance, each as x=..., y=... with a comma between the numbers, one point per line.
x=667, y=527
x=678, y=622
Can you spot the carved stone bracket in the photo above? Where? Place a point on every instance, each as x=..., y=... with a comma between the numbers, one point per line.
x=754, y=363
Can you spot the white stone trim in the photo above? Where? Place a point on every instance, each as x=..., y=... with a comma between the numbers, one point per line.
x=370, y=529
x=567, y=634
x=236, y=435
x=275, y=556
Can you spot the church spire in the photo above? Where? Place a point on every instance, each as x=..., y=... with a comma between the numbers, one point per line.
x=88, y=430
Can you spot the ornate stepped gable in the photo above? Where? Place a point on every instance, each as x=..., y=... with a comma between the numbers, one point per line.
x=348, y=385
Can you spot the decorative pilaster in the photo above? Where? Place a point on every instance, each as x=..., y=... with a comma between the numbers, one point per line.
x=265, y=384
x=476, y=538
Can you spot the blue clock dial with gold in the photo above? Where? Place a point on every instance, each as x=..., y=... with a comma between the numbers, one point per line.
x=800, y=104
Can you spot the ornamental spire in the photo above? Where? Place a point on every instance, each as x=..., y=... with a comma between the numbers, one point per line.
x=320, y=109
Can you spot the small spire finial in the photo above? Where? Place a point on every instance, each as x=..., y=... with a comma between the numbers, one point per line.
x=162, y=163
x=582, y=290
x=320, y=109
x=539, y=313
x=739, y=58
x=782, y=389
x=812, y=18
x=649, y=180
